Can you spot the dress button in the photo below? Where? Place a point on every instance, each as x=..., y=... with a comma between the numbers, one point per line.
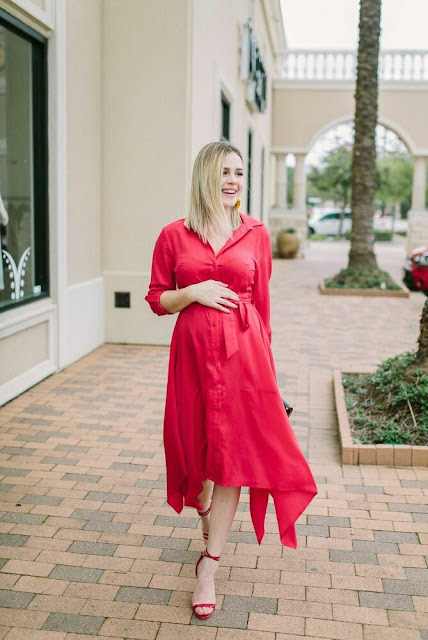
x=213, y=324
x=213, y=345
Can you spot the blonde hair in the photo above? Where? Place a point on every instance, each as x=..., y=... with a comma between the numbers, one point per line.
x=207, y=215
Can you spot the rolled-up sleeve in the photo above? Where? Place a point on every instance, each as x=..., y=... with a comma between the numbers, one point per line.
x=261, y=292
x=162, y=274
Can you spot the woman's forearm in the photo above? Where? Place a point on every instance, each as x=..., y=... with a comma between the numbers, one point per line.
x=178, y=299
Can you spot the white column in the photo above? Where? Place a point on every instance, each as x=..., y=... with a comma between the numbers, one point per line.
x=299, y=192
x=419, y=183
x=281, y=181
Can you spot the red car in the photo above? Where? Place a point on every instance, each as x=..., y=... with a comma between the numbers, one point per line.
x=415, y=270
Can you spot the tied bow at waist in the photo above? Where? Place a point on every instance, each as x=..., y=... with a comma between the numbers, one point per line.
x=229, y=323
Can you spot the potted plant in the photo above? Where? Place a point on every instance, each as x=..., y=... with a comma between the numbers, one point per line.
x=288, y=242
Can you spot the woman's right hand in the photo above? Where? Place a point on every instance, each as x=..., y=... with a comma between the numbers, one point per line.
x=214, y=293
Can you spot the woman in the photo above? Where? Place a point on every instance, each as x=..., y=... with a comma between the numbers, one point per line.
x=225, y=425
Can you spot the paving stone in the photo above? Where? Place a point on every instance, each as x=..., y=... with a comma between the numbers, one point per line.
x=81, y=477
x=30, y=438
x=242, y=536
x=165, y=543
x=23, y=518
x=416, y=575
x=407, y=507
x=151, y=484
x=385, y=601
x=328, y=521
x=414, y=484
x=93, y=548
x=179, y=555
x=396, y=536
x=94, y=426
x=73, y=623
x=72, y=447
x=357, y=488
x=107, y=527
x=131, y=453
x=5, y=488
x=246, y=604
x=312, y=530
x=128, y=466
x=34, y=499
x=43, y=410
x=375, y=547
x=176, y=521
x=409, y=587
x=117, y=439
x=18, y=451
x=15, y=599
x=75, y=574
x=220, y=618
x=356, y=557
x=14, y=473
x=143, y=595
x=65, y=461
x=103, y=496
x=97, y=516
x=12, y=539
x=420, y=517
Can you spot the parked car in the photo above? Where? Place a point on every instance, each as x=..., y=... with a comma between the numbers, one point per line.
x=385, y=223
x=327, y=221
x=415, y=270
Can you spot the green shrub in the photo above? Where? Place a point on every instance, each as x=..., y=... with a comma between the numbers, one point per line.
x=365, y=278
x=389, y=406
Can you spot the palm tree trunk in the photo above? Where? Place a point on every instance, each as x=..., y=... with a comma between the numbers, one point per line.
x=422, y=353
x=361, y=253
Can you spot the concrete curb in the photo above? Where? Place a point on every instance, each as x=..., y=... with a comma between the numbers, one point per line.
x=389, y=293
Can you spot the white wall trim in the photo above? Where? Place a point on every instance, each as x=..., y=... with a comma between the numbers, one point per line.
x=31, y=15
x=20, y=319
x=57, y=132
x=25, y=381
x=85, y=311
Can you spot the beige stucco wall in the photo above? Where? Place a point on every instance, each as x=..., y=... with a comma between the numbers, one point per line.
x=84, y=142
x=217, y=36
x=146, y=120
x=302, y=114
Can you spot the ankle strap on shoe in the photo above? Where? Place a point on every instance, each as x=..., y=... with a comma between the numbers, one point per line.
x=205, y=513
x=208, y=555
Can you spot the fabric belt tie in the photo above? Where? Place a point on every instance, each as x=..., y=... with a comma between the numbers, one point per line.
x=229, y=324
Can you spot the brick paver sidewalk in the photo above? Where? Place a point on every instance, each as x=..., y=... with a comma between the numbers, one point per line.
x=90, y=547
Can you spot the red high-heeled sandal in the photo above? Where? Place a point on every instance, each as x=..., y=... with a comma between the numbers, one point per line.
x=204, y=616
x=205, y=513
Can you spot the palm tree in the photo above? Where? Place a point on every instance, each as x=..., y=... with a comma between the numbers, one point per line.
x=361, y=253
x=422, y=353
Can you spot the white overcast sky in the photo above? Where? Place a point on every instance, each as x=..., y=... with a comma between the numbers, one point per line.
x=325, y=24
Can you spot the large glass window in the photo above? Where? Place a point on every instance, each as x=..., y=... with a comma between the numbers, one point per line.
x=23, y=164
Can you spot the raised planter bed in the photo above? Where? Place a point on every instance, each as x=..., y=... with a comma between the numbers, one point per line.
x=390, y=293
x=396, y=455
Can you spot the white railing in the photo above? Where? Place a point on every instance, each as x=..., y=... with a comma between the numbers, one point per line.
x=339, y=65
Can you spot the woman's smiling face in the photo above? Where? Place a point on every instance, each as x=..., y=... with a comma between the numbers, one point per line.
x=232, y=180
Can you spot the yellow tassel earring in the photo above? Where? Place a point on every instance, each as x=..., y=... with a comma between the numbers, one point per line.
x=238, y=203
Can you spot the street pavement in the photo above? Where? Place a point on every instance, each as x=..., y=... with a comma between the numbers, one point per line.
x=89, y=547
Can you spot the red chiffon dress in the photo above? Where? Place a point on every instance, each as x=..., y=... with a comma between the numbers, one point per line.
x=224, y=417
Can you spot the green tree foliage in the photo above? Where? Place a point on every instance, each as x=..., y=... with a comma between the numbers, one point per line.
x=332, y=181
x=394, y=184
